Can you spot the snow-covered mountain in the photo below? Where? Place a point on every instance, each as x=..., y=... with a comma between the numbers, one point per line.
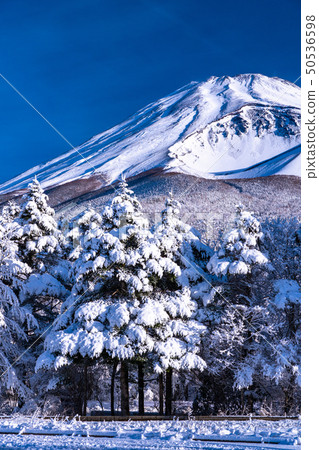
x=241, y=127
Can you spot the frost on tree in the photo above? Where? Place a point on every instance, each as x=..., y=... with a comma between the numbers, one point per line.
x=15, y=320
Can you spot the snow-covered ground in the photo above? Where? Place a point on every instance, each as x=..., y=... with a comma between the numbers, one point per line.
x=23, y=432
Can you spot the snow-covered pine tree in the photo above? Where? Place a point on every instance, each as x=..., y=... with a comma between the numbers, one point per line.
x=240, y=321
x=180, y=242
x=40, y=233
x=239, y=252
x=9, y=212
x=283, y=365
x=40, y=289
x=126, y=304
x=124, y=212
x=79, y=227
x=282, y=241
x=40, y=242
x=15, y=320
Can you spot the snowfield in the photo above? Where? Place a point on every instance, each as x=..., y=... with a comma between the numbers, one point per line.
x=33, y=432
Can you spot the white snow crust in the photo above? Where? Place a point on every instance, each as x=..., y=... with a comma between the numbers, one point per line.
x=188, y=434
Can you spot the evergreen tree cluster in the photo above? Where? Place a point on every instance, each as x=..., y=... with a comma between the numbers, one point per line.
x=151, y=309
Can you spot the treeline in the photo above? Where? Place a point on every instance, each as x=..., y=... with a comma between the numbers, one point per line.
x=113, y=302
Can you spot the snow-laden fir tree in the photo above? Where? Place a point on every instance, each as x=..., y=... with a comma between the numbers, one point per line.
x=237, y=313
x=9, y=212
x=239, y=252
x=284, y=363
x=40, y=243
x=42, y=286
x=76, y=236
x=180, y=242
x=127, y=304
x=15, y=320
x=282, y=241
x=39, y=228
x=257, y=343
x=124, y=212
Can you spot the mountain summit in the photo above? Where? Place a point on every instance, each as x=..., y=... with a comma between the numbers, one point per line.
x=226, y=127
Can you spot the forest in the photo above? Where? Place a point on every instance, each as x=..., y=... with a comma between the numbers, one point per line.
x=109, y=310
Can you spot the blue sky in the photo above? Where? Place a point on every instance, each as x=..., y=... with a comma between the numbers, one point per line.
x=86, y=65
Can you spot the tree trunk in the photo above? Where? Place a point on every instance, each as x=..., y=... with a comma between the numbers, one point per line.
x=85, y=396
x=289, y=395
x=242, y=405
x=161, y=394
x=115, y=364
x=125, y=405
x=169, y=392
x=186, y=391
x=140, y=389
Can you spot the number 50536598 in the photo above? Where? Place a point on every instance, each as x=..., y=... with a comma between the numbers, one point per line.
x=310, y=47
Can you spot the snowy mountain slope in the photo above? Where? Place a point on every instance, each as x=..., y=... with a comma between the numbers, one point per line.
x=215, y=129
x=251, y=135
